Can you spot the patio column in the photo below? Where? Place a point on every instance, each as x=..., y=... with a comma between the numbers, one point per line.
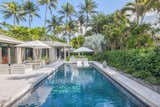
x=19, y=55
x=68, y=52
x=9, y=55
x=0, y=55
x=64, y=52
x=34, y=54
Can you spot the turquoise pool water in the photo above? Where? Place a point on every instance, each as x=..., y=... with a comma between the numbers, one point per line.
x=72, y=87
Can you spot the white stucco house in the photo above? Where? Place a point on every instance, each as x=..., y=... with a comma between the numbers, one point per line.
x=11, y=50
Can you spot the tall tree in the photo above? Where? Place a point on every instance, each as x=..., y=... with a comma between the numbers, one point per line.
x=31, y=9
x=49, y=5
x=81, y=21
x=66, y=12
x=53, y=24
x=71, y=28
x=13, y=9
x=139, y=7
x=88, y=8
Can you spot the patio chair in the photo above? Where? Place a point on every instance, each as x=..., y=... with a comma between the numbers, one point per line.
x=42, y=63
x=4, y=69
x=79, y=64
x=85, y=64
x=28, y=68
x=18, y=69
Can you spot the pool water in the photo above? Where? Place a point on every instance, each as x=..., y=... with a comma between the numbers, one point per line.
x=72, y=87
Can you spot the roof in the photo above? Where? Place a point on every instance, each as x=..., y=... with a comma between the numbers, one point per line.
x=33, y=44
x=10, y=40
x=56, y=44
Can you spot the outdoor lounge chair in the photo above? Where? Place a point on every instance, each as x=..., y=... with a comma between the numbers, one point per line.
x=18, y=69
x=4, y=69
x=85, y=64
x=28, y=68
x=79, y=64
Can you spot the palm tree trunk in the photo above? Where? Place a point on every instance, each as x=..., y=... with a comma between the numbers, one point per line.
x=45, y=18
x=29, y=20
x=51, y=12
x=87, y=22
x=14, y=20
x=81, y=29
x=137, y=15
x=142, y=18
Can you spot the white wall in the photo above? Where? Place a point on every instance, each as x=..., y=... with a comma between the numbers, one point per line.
x=0, y=54
x=52, y=54
x=19, y=55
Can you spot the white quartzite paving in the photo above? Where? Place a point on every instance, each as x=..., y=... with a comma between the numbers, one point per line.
x=14, y=86
x=147, y=95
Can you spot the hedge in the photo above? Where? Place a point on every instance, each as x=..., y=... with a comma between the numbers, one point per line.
x=141, y=63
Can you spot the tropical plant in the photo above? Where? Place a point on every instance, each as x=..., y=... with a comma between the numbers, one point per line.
x=88, y=8
x=25, y=33
x=53, y=24
x=139, y=7
x=31, y=9
x=81, y=21
x=67, y=10
x=141, y=63
x=76, y=42
x=12, y=9
x=116, y=31
x=96, y=42
x=71, y=28
x=49, y=4
x=98, y=21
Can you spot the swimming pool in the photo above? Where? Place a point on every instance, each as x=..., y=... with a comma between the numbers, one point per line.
x=73, y=87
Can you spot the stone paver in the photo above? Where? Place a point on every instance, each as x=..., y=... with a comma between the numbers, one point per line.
x=147, y=95
x=13, y=86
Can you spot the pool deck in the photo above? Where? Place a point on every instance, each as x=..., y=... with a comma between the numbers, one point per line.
x=14, y=86
x=145, y=94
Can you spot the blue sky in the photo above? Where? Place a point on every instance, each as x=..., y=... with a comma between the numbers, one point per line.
x=104, y=6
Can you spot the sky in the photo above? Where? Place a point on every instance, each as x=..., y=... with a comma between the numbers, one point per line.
x=104, y=6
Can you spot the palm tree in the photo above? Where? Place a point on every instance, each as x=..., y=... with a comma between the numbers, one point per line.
x=53, y=23
x=67, y=11
x=49, y=4
x=31, y=9
x=139, y=7
x=12, y=9
x=88, y=8
x=70, y=27
x=154, y=5
x=81, y=21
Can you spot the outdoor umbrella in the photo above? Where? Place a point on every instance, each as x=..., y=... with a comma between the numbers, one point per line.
x=83, y=50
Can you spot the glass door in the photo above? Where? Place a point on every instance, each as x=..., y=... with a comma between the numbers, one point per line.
x=4, y=55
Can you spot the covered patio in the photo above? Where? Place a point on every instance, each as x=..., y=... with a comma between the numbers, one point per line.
x=58, y=50
x=32, y=51
x=8, y=51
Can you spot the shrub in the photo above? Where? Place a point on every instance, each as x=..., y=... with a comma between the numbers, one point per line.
x=152, y=80
x=141, y=74
x=141, y=63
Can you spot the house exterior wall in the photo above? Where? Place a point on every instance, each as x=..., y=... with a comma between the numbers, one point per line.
x=52, y=54
x=0, y=55
x=19, y=55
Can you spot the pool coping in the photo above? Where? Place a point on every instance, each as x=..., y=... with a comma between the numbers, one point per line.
x=31, y=87
x=146, y=95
